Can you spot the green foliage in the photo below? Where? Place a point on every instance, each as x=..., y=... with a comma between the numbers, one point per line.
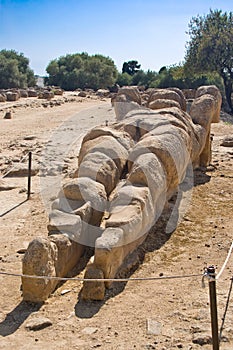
x=124, y=79
x=131, y=67
x=82, y=71
x=143, y=78
x=210, y=48
x=139, y=78
x=177, y=76
x=14, y=70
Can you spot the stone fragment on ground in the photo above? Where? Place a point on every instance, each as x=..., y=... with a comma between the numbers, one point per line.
x=202, y=339
x=153, y=327
x=227, y=141
x=89, y=330
x=5, y=187
x=38, y=323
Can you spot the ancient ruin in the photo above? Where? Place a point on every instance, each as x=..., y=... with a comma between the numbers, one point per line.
x=127, y=172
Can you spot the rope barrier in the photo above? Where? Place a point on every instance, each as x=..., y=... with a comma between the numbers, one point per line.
x=226, y=261
x=80, y=279
x=225, y=311
x=15, y=166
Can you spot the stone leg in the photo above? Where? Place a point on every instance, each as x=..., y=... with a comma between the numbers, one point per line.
x=205, y=156
x=53, y=256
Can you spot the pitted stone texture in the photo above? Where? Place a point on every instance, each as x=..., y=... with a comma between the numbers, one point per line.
x=86, y=189
x=93, y=290
x=107, y=145
x=131, y=93
x=122, y=137
x=147, y=170
x=52, y=256
x=163, y=103
x=214, y=91
x=203, y=110
x=101, y=168
x=172, y=152
x=39, y=260
x=182, y=97
x=165, y=94
x=62, y=222
x=132, y=209
x=66, y=205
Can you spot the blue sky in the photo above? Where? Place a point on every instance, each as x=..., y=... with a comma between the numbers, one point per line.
x=153, y=32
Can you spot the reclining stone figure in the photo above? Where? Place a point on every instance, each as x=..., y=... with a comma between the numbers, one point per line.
x=127, y=172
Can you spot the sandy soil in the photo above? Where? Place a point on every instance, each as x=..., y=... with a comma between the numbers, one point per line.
x=179, y=308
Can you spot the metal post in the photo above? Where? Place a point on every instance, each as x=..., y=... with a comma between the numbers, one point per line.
x=29, y=174
x=213, y=307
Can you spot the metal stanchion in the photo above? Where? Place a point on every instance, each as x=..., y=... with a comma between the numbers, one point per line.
x=213, y=307
x=29, y=174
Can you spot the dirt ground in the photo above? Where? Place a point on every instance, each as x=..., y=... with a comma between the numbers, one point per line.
x=177, y=308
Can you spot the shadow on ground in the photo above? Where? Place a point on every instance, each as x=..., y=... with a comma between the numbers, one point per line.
x=16, y=317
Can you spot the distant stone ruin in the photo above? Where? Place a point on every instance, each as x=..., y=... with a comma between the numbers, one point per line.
x=127, y=172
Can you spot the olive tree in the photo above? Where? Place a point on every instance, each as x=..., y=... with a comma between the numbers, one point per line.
x=82, y=71
x=14, y=70
x=210, y=48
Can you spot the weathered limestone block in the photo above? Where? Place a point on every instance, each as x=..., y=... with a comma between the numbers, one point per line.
x=12, y=96
x=165, y=94
x=122, y=137
x=48, y=95
x=202, y=111
x=54, y=256
x=214, y=91
x=122, y=106
x=108, y=146
x=100, y=168
x=131, y=93
x=65, y=223
x=23, y=93
x=86, y=189
x=171, y=151
x=58, y=91
x=147, y=170
x=131, y=208
x=76, y=226
x=67, y=205
x=139, y=122
x=163, y=103
x=182, y=97
x=127, y=99
x=32, y=93
x=93, y=290
x=39, y=260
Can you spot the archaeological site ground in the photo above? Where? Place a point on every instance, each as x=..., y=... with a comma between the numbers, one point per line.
x=134, y=186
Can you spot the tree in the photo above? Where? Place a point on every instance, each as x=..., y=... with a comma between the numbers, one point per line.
x=82, y=71
x=14, y=70
x=210, y=48
x=130, y=67
x=124, y=79
x=143, y=78
x=178, y=76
